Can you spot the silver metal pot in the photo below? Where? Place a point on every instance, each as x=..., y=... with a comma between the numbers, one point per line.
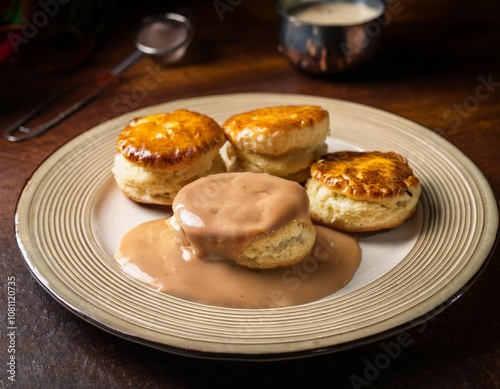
x=326, y=48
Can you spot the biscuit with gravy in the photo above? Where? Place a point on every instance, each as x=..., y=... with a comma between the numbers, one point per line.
x=255, y=220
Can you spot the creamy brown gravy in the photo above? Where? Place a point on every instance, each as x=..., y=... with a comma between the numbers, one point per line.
x=150, y=253
x=252, y=204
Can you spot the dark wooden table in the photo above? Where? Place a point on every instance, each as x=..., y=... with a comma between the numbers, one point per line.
x=434, y=57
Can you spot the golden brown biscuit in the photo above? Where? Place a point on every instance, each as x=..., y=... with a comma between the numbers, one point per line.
x=263, y=139
x=159, y=154
x=169, y=141
x=362, y=191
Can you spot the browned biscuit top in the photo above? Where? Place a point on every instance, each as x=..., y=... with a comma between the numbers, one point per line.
x=270, y=120
x=365, y=175
x=170, y=139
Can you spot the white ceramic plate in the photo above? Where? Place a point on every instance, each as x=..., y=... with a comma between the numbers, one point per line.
x=71, y=216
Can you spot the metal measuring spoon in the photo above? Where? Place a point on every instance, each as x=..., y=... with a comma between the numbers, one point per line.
x=163, y=37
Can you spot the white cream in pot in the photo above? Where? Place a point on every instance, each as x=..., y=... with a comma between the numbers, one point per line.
x=337, y=13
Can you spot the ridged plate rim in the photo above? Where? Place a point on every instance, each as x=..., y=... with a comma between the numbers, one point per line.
x=55, y=233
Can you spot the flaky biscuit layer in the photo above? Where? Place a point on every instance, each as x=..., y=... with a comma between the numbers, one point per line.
x=362, y=191
x=172, y=140
x=278, y=130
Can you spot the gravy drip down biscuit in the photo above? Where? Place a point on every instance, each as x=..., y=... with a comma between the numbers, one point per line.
x=362, y=191
x=159, y=154
x=282, y=141
x=256, y=220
